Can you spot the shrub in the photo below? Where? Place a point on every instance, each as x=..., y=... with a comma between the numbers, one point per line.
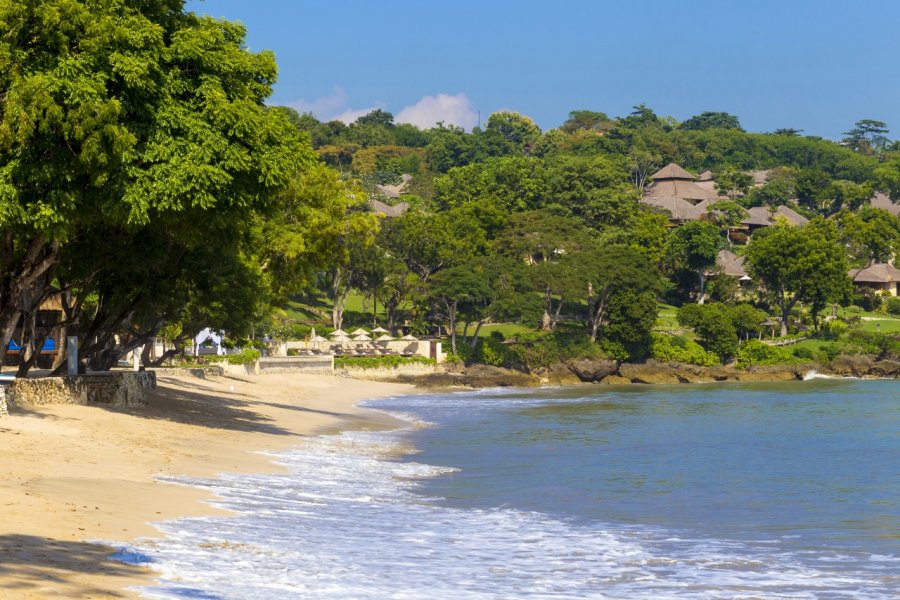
x=833, y=350
x=754, y=352
x=681, y=349
x=804, y=353
x=893, y=306
x=714, y=326
x=834, y=329
x=380, y=362
x=244, y=357
x=885, y=346
x=536, y=350
x=867, y=300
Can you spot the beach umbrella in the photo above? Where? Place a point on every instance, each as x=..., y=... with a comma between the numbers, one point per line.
x=312, y=332
x=384, y=338
x=318, y=338
x=410, y=338
x=362, y=338
x=341, y=338
x=359, y=331
x=337, y=332
x=380, y=330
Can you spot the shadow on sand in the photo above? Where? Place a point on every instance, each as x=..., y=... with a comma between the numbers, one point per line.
x=35, y=566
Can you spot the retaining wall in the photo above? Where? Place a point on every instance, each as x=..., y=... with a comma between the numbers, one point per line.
x=210, y=372
x=323, y=363
x=114, y=388
x=386, y=373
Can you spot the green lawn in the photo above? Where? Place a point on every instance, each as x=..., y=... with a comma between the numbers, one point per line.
x=666, y=319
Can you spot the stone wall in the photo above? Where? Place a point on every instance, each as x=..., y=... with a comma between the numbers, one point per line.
x=246, y=369
x=210, y=372
x=297, y=364
x=3, y=410
x=387, y=373
x=114, y=388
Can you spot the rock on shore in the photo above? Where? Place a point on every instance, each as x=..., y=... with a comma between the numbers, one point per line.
x=609, y=372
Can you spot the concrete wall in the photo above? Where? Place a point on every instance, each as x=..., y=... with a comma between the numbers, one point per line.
x=297, y=364
x=114, y=388
x=386, y=373
x=247, y=369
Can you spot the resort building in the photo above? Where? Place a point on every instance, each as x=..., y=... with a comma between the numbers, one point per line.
x=46, y=329
x=765, y=216
x=675, y=190
x=386, y=210
x=879, y=277
x=883, y=201
x=731, y=265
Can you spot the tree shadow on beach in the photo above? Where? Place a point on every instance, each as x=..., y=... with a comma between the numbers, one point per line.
x=203, y=404
x=32, y=566
x=201, y=408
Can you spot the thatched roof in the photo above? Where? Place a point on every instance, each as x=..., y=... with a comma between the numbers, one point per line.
x=386, y=209
x=731, y=264
x=680, y=209
x=761, y=177
x=394, y=191
x=877, y=273
x=686, y=190
x=672, y=171
x=763, y=216
x=705, y=176
x=883, y=201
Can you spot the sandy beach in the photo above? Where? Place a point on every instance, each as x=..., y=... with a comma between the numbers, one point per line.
x=72, y=474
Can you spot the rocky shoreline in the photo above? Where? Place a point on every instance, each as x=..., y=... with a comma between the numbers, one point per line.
x=609, y=372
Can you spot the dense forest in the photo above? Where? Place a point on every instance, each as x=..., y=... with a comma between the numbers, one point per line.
x=147, y=187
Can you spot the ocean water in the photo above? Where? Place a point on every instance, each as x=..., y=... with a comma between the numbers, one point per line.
x=710, y=491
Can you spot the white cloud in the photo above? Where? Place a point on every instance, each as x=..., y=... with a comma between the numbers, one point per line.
x=352, y=114
x=334, y=107
x=451, y=110
x=426, y=113
x=323, y=108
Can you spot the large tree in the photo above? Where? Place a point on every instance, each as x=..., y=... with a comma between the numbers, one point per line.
x=693, y=247
x=795, y=264
x=118, y=114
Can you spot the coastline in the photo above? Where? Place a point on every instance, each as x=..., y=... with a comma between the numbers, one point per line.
x=75, y=474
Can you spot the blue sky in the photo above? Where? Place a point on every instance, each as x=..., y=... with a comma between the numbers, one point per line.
x=812, y=65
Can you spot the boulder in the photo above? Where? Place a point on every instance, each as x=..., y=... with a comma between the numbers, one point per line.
x=774, y=373
x=615, y=380
x=557, y=374
x=480, y=376
x=592, y=369
x=649, y=372
x=852, y=365
x=885, y=368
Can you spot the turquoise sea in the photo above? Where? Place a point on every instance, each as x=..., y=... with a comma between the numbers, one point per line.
x=788, y=490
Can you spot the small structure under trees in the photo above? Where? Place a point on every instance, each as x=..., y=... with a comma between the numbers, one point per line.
x=880, y=277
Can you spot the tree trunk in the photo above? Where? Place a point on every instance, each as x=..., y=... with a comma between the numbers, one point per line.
x=340, y=287
x=451, y=315
x=475, y=335
x=597, y=318
x=23, y=285
x=556, y=315
x=702, y=297
x=786, y=306
x=546, y=321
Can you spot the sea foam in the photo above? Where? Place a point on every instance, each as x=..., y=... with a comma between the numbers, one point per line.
x=346, y=522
